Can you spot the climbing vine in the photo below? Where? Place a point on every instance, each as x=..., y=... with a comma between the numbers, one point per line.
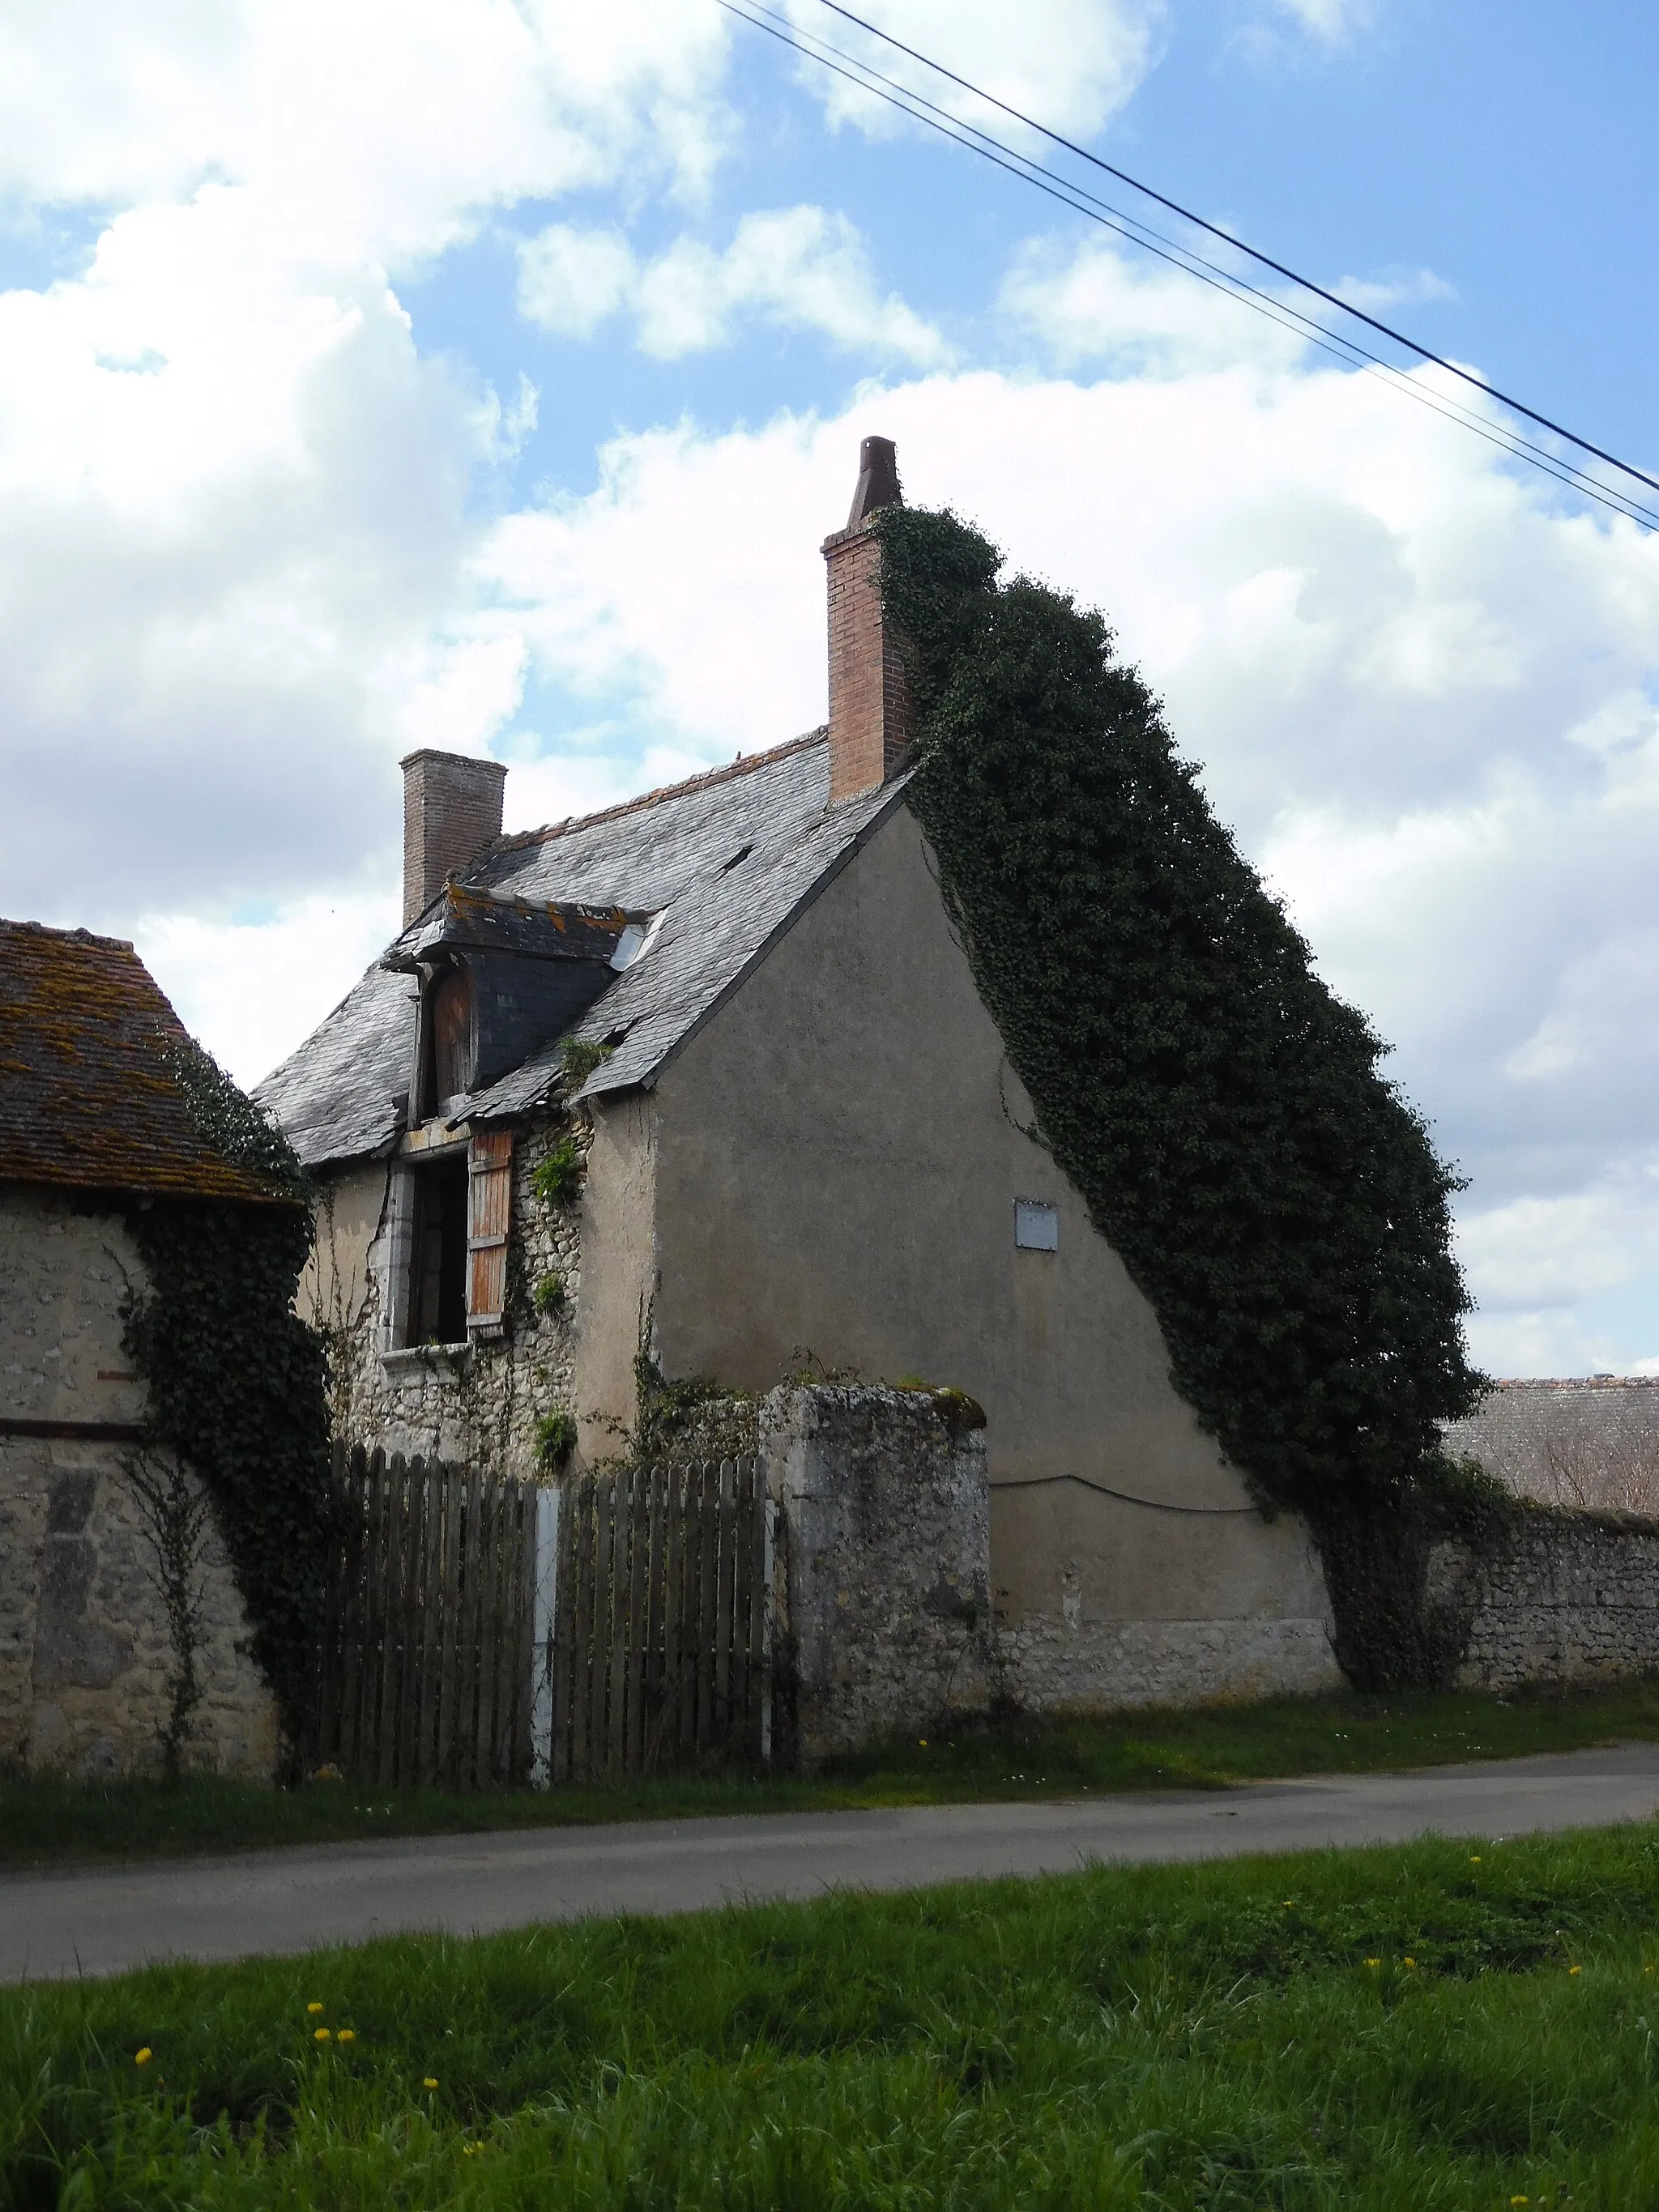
x=1222, y=1113
x=238, y=1381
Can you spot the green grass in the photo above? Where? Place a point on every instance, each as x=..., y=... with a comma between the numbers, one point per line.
x=45, y=1822
x=1330, y=2033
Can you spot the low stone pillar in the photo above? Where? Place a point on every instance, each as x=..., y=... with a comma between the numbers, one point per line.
x=885, y=1581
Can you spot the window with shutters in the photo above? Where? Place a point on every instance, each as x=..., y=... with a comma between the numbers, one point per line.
x=489, y=1213
x=437, y=1304
x=451, y=1040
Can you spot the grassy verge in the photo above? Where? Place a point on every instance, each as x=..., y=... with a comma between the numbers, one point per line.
x=1449, y=2025
x=46, y=1822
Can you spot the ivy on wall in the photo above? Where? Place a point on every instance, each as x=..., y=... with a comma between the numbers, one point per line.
x=237, y=1382
x=1222, y=1113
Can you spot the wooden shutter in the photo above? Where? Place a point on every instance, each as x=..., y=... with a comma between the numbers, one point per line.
x=488, y=1212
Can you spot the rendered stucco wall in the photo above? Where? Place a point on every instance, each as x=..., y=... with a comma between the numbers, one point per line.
x=838, y=1155
x=84, y=1652
x=619, y=1277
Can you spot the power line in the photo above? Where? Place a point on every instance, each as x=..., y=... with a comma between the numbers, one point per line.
x=1343, y=347
x=1266, y=261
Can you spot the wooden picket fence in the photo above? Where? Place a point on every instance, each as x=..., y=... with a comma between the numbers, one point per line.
x=662, y=1621
x=481, y=1632
x=427, y=1652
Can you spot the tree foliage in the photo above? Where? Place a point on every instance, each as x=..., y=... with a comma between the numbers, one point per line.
x=1222, y=1113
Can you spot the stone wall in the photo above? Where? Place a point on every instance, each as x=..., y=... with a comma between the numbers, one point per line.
x=886, y=1562
x=84, y=1650
x=1562, y=1597
x=1051, y=1665
x=478, y=1404
x=85, y=1655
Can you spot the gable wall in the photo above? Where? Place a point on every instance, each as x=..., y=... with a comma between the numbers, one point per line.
x=836, y=1163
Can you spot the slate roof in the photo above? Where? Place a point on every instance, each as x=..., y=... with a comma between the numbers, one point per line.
x=722, y=865
x=86, y=1098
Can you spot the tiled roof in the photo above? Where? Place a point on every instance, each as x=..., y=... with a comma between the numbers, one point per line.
x=86, y=1098
x=1577, y=1439
x=722, y=863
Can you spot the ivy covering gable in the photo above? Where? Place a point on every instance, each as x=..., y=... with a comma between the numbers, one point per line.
x=1222, y=1113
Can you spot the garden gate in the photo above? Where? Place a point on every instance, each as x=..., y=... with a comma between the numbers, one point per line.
x=481, y=1631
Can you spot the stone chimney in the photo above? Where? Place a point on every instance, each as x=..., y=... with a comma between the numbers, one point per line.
x=870, y=717
x=452, y=809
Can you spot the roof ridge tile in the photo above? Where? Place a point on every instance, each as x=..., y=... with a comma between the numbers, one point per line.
x=520, y=841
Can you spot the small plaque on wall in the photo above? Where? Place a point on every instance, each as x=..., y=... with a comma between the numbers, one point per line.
x=1036, y=1225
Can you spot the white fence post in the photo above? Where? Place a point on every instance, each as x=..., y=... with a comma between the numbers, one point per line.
x=541, y=1686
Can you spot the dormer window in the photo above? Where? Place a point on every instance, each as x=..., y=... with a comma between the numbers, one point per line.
x=452, y=1051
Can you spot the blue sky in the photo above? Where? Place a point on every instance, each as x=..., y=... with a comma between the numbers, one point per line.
x=484, y=373
x=1506, y=147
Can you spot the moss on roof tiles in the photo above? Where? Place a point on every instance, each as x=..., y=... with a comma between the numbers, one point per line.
x=88, y=1098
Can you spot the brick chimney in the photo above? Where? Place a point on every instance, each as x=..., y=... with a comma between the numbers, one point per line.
x=452, y=809
x=870, y=717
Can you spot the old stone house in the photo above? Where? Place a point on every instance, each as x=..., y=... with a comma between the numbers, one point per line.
x=737, y=1006
x=94, y=1128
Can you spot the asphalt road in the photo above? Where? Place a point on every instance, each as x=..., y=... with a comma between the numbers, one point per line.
x=101, y=1922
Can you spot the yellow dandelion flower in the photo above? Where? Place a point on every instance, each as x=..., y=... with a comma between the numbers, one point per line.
x=1475, y=1858
x=923, y=1742
x=1373, y=1962
x=313, y=2008
x=347, y=2035
x=321, y=2035
x=1520, y=2200
x=1408, y=1962
x=1575, y=1969
x=143, y=2058
x=429, y=2083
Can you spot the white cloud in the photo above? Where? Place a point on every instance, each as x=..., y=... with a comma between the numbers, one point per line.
x=1100, y=307
x=253, y=989
x=571, y=281
x=1396, y=288
x=800, y=268
x=366, y=129
x=234, y=500
x=1071, y=64
x=1331, y=20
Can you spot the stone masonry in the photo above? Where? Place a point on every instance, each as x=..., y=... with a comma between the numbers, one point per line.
x=85, y=1655
x=84, y=1651
x=1565, y=1596
x=478, y=1405
x=886, y=1507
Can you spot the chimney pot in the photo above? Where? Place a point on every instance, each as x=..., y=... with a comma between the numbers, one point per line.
x=878, y=480
x=870, y=713
x=452, y=811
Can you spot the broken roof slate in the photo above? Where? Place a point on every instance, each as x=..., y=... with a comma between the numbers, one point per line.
x=87, y=1098
x=722, y=863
